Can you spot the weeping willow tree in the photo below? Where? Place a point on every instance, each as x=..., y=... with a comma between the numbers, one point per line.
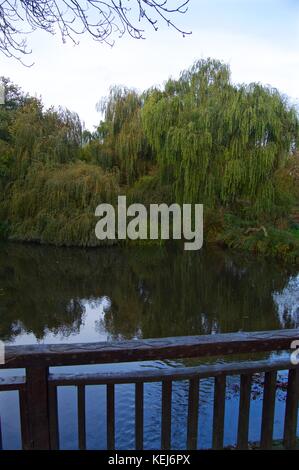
x=122, y=133
x=218, y=143
x=51, y=195
x=56, y=203
x=47, y=136
x=14, y=100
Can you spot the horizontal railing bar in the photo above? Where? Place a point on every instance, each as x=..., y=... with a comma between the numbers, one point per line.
x=181, y=373
x=150, y=349
x=12, y=383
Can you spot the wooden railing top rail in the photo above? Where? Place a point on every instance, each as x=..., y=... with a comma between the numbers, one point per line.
x=154, y=375
x=170, y=374
x=149, y=349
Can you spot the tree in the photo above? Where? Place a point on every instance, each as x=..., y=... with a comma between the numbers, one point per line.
x=44, y=136
x=14, y=100
x=122, y=132
x=219, y=143
x=102, y=20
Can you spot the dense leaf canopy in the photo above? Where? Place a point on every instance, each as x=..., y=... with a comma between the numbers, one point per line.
x=219, y=142
x=124, y=132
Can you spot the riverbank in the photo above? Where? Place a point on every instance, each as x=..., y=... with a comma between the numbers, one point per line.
x=265, y=240
x=233, y=234
x=55, y=205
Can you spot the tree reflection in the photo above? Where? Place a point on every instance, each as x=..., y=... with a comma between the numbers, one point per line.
x=152, y=292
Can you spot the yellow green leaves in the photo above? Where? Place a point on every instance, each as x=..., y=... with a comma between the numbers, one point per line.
x=221, y=141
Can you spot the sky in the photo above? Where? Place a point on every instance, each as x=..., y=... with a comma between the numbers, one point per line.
x=258, y=38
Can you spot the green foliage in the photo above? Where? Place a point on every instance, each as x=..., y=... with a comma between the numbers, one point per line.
x=98, y=152
x=4, y=230
x=295, y=231
x=149, y=190
x=5, y=159
x=15, y=99
x=44, y=136
x=123, y=132
x=220, y=143
x=56, y=204
x=267, y=241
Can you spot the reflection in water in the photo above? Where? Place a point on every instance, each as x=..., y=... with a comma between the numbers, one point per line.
x=288, y=304
x=49, y=293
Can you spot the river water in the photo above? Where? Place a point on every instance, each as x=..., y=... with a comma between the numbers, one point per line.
x=60, y=295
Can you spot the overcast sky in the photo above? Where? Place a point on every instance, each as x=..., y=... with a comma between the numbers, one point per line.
x=258, y=38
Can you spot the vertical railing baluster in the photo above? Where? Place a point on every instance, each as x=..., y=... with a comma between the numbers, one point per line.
x=139, y=399
x=268, y=409
x=166, y=415
x=244, y=409
x=110, y=417
x=81, y=417
x=53, y=418
x=192, y=427
x=291, y=412
x=219, y=412
x=24, y=418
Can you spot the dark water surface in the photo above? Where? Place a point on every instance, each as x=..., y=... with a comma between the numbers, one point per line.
x=59, y=295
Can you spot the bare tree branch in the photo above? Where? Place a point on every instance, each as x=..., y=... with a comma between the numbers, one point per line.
x=102, y=20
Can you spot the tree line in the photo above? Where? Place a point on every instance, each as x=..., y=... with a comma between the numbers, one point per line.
x=198, y=139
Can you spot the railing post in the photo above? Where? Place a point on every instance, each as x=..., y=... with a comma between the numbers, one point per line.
x=291, y=412
x=38, y=407
x=268, y=409
x=244, y=409
x=192, y=427
x=219, y=412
